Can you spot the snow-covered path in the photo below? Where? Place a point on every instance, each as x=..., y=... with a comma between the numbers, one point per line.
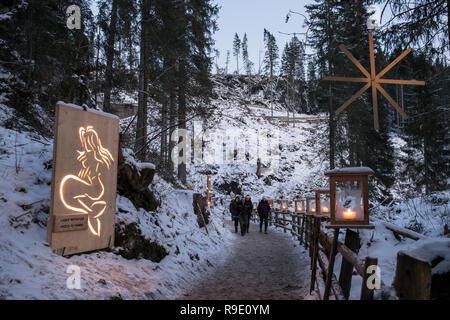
x=261, y=266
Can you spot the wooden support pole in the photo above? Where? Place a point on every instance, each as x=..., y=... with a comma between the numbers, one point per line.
x=345, y=276
x=303, y=231
x=331, y=259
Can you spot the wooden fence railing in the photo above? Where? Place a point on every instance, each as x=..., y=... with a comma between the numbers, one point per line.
x=311, y=233
x=412, y=280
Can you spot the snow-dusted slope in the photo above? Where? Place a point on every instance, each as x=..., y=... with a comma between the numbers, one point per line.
x=29, y=269
x=302, y=159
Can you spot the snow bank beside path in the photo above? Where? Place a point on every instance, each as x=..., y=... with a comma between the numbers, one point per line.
x=29, y=269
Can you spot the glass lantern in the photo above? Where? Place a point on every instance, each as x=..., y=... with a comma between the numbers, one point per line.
x=284, y=205
x=349, y=197
x=270, y=203
x=323, y=202
x=311, y=205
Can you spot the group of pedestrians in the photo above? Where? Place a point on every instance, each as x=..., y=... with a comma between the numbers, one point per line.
x=241, y=211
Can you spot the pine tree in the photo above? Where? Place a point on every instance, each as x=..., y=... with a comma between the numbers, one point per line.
x=423, y=23
x=110, y=31
x=141, y=127
x=271, y=55
x=427, y=165
x=322, y=23
x=292, y=68
x=312, y=82
x=236, y=50
x=49, y=61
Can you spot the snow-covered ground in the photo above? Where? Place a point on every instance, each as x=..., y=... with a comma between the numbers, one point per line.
x=29, y=270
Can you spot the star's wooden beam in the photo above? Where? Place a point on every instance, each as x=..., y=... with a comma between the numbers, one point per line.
x=355, y=62
x=393, y=63
x=398, y=81
x=353, y=98
x=345, y=79
x=391, y=101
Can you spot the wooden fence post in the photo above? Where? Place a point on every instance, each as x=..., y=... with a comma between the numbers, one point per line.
x=310, y=235
x=345, y=276
x=299, y=237
x=326, y=294
x=284, y=222
x=413, y=278
x=315, y=252
x=366, y=293
x=302, y=240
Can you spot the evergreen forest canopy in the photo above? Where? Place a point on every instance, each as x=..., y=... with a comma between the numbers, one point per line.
x=164, y=51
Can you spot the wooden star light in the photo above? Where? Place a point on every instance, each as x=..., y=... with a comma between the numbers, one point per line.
x=374, y=80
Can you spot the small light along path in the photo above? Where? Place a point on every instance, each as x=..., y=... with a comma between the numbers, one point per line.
x=261, y=266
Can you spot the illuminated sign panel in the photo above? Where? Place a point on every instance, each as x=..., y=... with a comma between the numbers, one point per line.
x=84, y=180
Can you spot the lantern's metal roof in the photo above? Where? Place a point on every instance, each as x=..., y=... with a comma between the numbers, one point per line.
x=350, y=170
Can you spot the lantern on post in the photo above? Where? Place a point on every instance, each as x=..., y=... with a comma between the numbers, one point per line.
x=270, y=203
x=208, y=190
x=299, y=206
x=349, y=197
x=284, y=204
x=323, y=205
x=310, y=205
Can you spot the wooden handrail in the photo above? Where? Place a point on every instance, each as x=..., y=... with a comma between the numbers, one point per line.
x=404, y=232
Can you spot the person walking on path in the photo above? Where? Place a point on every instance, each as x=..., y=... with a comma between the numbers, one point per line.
x=249, y=208
x=235, y=212
x=263, y=212
x=243, y=216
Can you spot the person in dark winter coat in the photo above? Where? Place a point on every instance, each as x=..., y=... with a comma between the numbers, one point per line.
x=249, y=208
x=263, y=212
x=235, y=212
x=243, y=216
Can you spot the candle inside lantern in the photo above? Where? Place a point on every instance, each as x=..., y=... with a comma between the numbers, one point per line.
x=325, y=209
x=349, y=214
x=313, y=209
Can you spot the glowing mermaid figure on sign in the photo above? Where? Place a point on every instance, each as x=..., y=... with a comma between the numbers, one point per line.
x=88, y=184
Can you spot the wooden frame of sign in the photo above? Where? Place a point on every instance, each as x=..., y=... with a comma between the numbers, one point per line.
x=84, y=180
x=343, y=175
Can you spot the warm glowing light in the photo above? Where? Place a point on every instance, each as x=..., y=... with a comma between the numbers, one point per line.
x=325, y=209
x=88, y=181
x=313, y=210
x=349, y=214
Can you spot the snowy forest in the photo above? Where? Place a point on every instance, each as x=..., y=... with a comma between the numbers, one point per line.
x=153, y=66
